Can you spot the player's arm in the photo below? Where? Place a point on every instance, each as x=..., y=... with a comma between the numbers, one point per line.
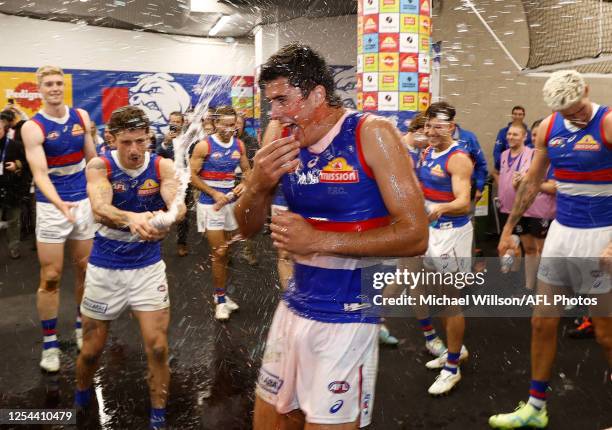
x=100, y=193
x=245, y=166
x=480, y=168
x=549, y=187
x=276, y=157
x=90, y=146
x=528, y=189
x=460, y=167
x=169, y=186
x=33, y=140
x=405, y=236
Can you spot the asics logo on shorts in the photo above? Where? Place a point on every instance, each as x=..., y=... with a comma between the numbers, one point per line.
x=336, y=406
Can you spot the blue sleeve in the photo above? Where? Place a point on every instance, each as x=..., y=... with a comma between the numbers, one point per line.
x=499, y=147
x=528, y=141
x=480, y=163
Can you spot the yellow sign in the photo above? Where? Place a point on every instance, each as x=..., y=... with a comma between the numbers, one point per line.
x=388, y=61
x=22, y=87
x=370, y=63
x=409, y=23
x=424, y=101
x=389, y=6
x=408, y=101
x=388, y=81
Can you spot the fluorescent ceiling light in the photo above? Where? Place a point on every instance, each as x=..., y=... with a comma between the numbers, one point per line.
x=206, y=6
x=219, y=25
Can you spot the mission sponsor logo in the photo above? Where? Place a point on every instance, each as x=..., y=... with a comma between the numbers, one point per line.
x=236, y=155
x=77, y=130
x=148, y=188
x=587, y=143
x=437, y=171
x=339, y=171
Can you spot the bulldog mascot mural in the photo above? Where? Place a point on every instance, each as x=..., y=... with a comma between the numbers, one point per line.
x=158, y=94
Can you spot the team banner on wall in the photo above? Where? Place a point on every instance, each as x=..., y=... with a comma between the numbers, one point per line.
x=393, y=57
x=158, y=94
x=22, y=89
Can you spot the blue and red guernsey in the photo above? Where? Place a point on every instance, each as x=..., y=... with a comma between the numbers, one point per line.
x=334, y=191
x=582, y=165
x=218, y=169
x=437, y=186
x=119, y=249
x=63, y=146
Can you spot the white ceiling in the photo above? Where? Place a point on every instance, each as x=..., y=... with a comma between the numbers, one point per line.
x=175, y=16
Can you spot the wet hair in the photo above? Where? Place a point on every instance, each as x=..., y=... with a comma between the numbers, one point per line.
x=128, y=118
x=6, y=118
x=517, y=107
x=536, y=123
x=8, y=115
x=177, y=113
x=304, y=68
x=48, y=71
x=441, y=110
x=224, y=111
x=417, y=122
x=563, y=89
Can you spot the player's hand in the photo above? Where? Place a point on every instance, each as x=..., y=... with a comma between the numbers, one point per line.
x=605, y=261
x=506, y=243
x=292, y=233
x=273, y=161
x=517, y=177
x=435, y=212
x=238, y=189
x=66, y=208
x=139, y=225
x=10, y=166
x=220, y=199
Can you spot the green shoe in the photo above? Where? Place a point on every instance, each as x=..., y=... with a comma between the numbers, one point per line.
x=524, y=415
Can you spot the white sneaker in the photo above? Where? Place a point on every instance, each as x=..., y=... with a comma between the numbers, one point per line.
x=438, y=363
x=78, y=334
x=444, y=382
x=231, y=305
x=435, y=347
x=222, y=312
x=50, y=361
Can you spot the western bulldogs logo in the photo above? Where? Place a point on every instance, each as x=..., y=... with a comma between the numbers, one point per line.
x=158, y=94
x=345, y=78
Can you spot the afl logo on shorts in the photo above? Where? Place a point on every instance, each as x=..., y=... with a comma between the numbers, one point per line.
x=339, y=387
